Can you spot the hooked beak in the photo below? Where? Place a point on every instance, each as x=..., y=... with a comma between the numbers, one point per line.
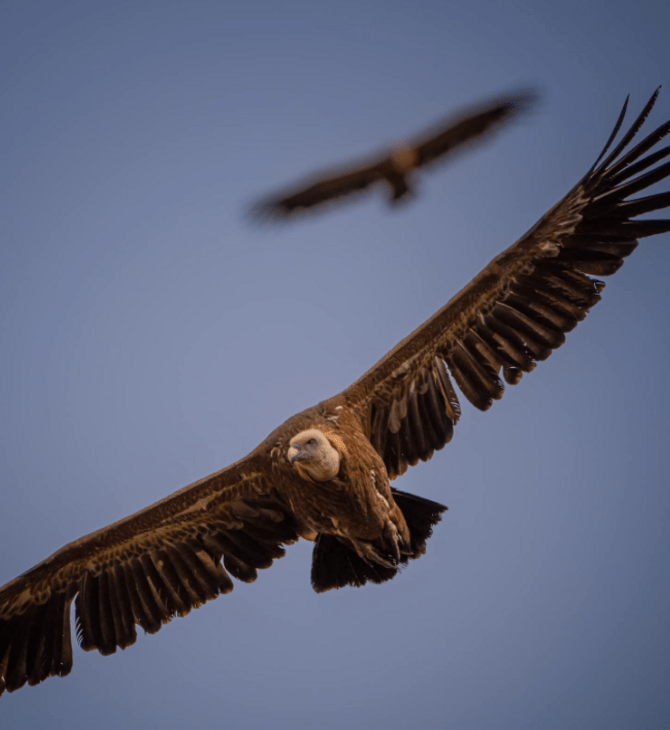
x=295, y=453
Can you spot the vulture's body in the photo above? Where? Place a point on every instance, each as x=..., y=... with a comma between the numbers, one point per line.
x=326, y=473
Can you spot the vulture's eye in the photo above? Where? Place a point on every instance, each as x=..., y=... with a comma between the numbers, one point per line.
x=311, y=442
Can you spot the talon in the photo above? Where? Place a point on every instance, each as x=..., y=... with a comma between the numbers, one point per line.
x=371, y=554
x=393, y=539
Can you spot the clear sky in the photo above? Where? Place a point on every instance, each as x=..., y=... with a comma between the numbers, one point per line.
x=150, y=336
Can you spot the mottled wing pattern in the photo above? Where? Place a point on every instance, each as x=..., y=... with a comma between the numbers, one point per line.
x=474, y=125
x=141, y=571
x=518, y=309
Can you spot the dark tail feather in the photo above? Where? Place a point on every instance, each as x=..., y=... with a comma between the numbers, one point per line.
x=335, y=564
x=421, y=515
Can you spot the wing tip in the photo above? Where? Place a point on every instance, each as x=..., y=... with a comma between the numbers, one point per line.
x=265, y=211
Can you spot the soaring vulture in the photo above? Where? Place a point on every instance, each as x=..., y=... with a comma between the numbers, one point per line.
x=394, y=167
x=325, y=474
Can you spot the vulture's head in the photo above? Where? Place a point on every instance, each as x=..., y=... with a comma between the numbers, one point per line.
x=312, y=454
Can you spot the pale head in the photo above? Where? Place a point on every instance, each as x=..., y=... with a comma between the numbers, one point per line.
x=312, y=454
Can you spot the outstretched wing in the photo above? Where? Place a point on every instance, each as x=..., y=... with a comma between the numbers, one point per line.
x=518, y=309
x=320, y=188
x=474, y=125
x=141, y=571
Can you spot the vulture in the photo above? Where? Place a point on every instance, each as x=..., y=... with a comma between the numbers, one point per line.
x=325, y=474
x=394, y=167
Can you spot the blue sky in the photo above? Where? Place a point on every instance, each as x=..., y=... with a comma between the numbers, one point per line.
x=150, y=336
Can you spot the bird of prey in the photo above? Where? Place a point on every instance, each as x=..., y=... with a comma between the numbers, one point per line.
x=394, y=167
x=325, y=474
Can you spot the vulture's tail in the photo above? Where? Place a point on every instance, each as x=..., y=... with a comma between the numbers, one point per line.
x=335, y=564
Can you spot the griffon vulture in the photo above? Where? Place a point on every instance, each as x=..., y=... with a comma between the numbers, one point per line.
x=394, y=167
x=325, y=474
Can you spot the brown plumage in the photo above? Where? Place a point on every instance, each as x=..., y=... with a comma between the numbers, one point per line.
x=326, y=473
x=394, y=168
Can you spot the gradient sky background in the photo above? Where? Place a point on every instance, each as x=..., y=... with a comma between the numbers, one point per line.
x=150, y=336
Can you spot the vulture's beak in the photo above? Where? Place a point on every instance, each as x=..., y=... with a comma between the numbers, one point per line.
x=295, y=453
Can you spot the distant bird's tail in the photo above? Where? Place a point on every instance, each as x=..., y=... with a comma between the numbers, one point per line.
x=335, y=564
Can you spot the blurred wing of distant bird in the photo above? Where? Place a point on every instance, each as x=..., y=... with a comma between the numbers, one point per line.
x=475, y=124
x=320, y=188
x=472, y=126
